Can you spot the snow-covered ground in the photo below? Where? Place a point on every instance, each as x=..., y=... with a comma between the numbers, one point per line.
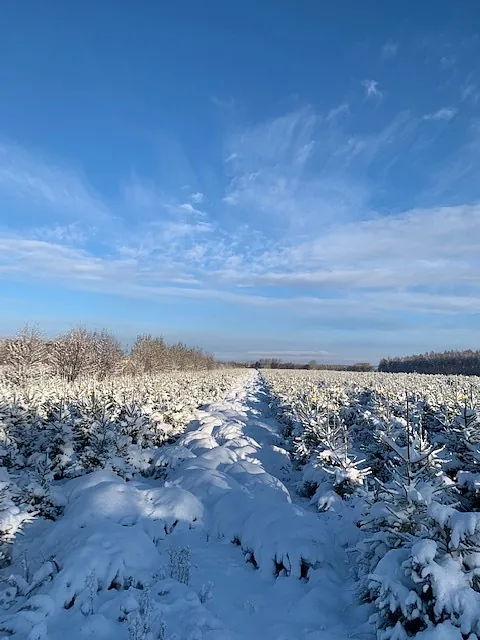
x=221, y=548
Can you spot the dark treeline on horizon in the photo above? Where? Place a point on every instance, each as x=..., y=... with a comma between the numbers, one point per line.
x=449, y=362
x=313, y=365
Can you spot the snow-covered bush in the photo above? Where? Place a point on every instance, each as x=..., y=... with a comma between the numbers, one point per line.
x=432, y=580
x=417, y=556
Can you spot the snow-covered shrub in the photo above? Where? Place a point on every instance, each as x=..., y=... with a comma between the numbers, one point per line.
x=321, y=445
x=141, y=620
x=398, y=518
x=13, y=515
x=25, y=357
x=179, y=564
x=432, y=580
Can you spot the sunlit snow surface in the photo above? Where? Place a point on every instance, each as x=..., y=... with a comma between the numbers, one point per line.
x=259, y=562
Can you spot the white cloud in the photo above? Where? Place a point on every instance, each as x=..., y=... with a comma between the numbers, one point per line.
x=456, y=175
x=186, y=206
x=445, y=113
x=342, y=110
x=307, y=240
x=286, y=169
x=71, y=234
x=29, y=177
x=447, y=62
x=197, y=198
x=389, y=49
x=467, y=91
x=363, y=263
x=141, y=195
x=226, y=104
x=371, y=89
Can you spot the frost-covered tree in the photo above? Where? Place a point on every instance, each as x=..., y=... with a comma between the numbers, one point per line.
x=14, y=513
x=149, y=354
x=107, y=354
x=398, y=516
x=25, y=355
x=73, y=354
x=431, y=581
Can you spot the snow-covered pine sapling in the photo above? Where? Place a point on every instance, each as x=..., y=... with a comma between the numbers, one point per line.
x=432, y=582
x=399, y=505
x=91, y=588
x=59, y=435
x=332, y=470
x=162, y=631
x=133, y=422
x=206, y=592
x=463, y=440
x=314, y=412
x=13, y=515
x=142, y=620
x=179, y=564
x=396, y=519
x=103, y=440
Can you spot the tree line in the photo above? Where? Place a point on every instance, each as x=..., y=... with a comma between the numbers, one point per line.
x=449, y=362
x=313, y=365
x=80, y=351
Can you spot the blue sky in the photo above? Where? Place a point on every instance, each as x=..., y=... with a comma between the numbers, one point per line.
x=298, y=179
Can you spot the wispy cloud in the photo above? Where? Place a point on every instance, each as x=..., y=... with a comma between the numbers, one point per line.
x=186, y=206
x=371, y=255
x=389, y=49
x=29, y=177
x=445, y=113
x=447, y=62
x=371, y=89
x=197, y=198
x=341, y=111
x=363, y=263
x=292, y=170
x=72, y=234
x=456, y=176
x=469, y=91
x=311, y=241
x=143, y=195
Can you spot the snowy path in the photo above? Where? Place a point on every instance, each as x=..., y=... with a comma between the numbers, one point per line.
x=105, y=569
x=239, y=443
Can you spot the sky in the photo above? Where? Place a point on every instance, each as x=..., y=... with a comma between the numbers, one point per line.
x=276, y=178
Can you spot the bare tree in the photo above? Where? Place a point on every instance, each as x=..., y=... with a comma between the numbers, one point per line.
x=107, y=354
x=73, y=353
x=26, y=354
x=80, y=352
x=3, y=352
x=149, y=354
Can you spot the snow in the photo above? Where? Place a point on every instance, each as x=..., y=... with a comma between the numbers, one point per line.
x=462, y=524
x=216, y=545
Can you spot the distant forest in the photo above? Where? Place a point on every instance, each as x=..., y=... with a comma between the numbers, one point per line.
x=449, y=362
x=313, y=365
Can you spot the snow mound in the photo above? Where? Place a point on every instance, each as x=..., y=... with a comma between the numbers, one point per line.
x=234, y=473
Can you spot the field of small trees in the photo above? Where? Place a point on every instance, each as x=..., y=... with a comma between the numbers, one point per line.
x=366, y=481
x=78, y=409
x=398, y=457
